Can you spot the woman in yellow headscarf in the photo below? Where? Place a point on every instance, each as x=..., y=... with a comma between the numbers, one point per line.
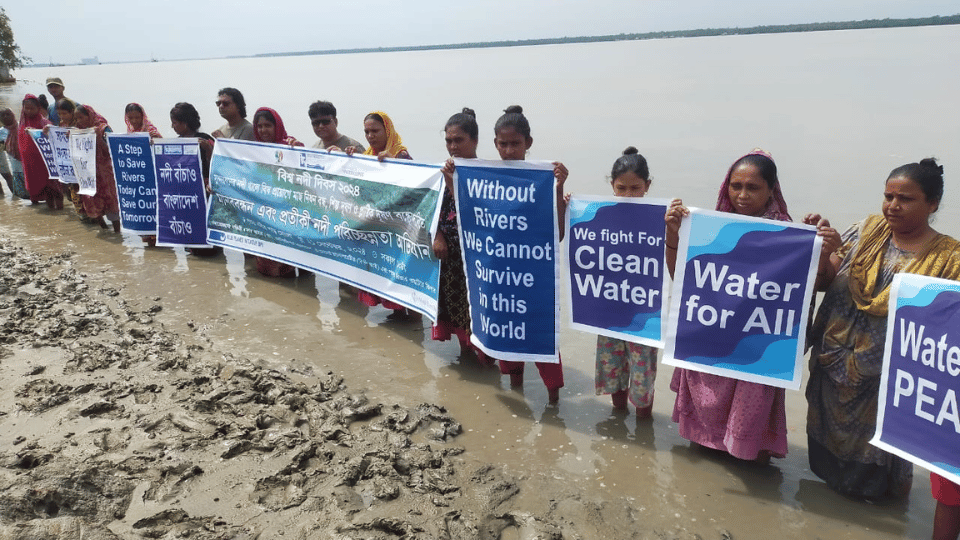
x=384, y=143
x=382, y=137
x=848, y=335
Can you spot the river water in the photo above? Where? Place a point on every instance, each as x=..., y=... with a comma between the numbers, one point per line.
x=838, y=110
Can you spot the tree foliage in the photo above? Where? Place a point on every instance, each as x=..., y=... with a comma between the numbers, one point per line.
x=10, y=55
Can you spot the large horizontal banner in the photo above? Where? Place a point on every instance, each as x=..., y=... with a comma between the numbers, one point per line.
x=181, y=193
x=508, y=220
x=46, y=151
x=918, y=418
x=741, y=297
x=356, y=219
x=617, y=278
x=83, y=156
x=60, y=140
x=133, y=168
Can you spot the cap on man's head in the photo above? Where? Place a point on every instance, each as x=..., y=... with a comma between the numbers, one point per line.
x=54, y=80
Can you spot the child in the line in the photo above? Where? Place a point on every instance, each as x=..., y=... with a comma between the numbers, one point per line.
x=627, y=370
x=512, y=139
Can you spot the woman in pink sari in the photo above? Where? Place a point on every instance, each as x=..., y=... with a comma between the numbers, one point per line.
x=104, y=202
x=38, y=181
x=747, y=420
x=137, y=121
x=268, y=127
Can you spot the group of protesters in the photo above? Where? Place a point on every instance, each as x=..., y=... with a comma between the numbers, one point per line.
x=744, y=419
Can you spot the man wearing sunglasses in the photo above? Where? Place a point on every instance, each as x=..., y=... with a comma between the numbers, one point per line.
x=323, y=117
x=233, y=109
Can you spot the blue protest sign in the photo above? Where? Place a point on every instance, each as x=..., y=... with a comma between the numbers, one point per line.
x=617, y=278
x=133, y=169
x=741, y=296
x=355, y=219
x=46, y=151
x=918, y=418
x=181, y=194
x=509, y=237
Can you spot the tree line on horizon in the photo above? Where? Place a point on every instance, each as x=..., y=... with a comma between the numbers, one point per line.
x=936, y=20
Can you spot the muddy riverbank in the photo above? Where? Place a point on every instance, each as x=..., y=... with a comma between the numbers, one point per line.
x=194, y=397
x=114, y=426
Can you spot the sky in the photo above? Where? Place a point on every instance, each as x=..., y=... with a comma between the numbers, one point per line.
x=138, y=30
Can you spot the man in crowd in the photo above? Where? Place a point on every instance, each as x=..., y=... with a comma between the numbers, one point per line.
x=233, y=109
x=323, y=117
x=55, y=89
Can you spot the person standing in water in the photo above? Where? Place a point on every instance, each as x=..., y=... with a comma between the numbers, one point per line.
x=323, y=118
x=233, y=109
x=512, y=139
x=626, y=370
x=462, y=136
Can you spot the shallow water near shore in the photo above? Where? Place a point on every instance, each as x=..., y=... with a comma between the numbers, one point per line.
x=837, y=109
x=304, y=325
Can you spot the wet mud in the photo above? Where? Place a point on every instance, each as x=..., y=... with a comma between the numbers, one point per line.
x=114, y=426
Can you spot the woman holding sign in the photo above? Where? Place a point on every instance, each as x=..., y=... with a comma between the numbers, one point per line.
x=137, y=121
x=848, y=335
x=462, y=135
x=104, y=202
x=66, y=113
x=745, y=419
x=384, y=143
x=268, y=127
x=35, y=174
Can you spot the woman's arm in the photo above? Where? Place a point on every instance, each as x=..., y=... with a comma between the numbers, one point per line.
x=560, y=173
x=829, y=261
x=674, y=216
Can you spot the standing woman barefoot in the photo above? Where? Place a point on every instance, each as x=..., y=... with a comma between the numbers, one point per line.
x=849, y=332
x=268, y=127
x=384, y=143
x=104, y=201
x=38, y=181
x=747, y=420
x=453, y=317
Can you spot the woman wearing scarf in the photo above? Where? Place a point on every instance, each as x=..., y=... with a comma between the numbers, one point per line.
x=268, y=127
x=848, y=335
x=137, y=121
x=12, y=147
x=38, y=181
x=745, y=419
x=104, y=201
x=384, y=143
x=67, y=118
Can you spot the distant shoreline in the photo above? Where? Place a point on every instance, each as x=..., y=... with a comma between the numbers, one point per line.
x=702, y=32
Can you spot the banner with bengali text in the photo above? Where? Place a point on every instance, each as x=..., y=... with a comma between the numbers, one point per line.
x=741, y=297
x=617, y=275
x=356, y=219
x=83, y=155
x=918, y=417
x=46, y=151
x=507, y=214
x=181, y=193
x=133, y=168
x=60, y=140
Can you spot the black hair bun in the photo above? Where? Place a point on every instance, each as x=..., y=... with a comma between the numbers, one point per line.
x=469, y=112
x=514, y=109
x=630, y=150
x=932, y=164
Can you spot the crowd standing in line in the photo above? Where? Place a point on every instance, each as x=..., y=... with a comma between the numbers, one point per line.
x=746, y=420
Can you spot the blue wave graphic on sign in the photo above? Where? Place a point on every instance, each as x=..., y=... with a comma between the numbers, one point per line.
x=776, y=360
x=722, y=238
